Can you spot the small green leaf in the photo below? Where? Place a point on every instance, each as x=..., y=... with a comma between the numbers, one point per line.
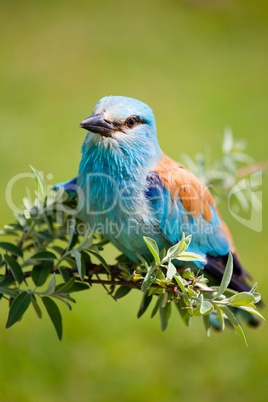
x=6, y=280
x=203, y=308
x=4, y=291
x=78, y=286
x=51, y=286
x=44, y=255
x=148, y=280
x=63, y=300
x=206, y=324
x=80, y=267
x=1, y=259
x=165, y=313
x=171, y=271
x=11, y=248
x=235, y=323
x=156, y=307
x=43, y=235
x=152, y=246
x=101, y=259
x=188, y=240
x=122, y=291
x=54, y=314
x=179, y=281
x=182, y=306
x=15, y=268
x=146, y=300
x=241, y=299
x=177, y=248
x=254, y=287
x=65, y=287
x=36, y=307
x=40, y=273
x=18, y=308
x=252, y=310
x=64, y=274
x=39, y=179
x=206, y=307
x=187, y=256
x=124, y=268
x=142, y=260
x=72, y=228
x=8, y=233
x=227, y=276
x=163, y=299
x=221, y=319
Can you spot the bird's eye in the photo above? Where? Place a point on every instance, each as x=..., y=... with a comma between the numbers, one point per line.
x=131, y=121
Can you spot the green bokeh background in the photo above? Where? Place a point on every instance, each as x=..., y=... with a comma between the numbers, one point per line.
x=201, y=66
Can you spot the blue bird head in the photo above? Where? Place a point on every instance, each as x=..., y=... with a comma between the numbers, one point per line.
x=122, y=128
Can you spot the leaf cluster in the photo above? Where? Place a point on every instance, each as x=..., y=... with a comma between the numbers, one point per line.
x=45, y=258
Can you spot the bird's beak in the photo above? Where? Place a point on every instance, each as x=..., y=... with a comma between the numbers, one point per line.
x=97, y=124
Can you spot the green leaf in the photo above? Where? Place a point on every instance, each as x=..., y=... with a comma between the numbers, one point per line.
x=252, y=310
x=235, y=323
x=18, y=308
x=148, y=280
x=36, y=307
x=65, y=287
x=221, y=319
x=8, y=233
x=44, y=255
x=54, y=314
x=101, y=259
x=142, y=260
x=87, y=240
x=11, y=248
x=206, y=324
x=241, y=299
x=171, y=271
x=80, y=267
x=254, y=287
x=187, y=256
x=63, y=300
x=177, y=248
x=51, y=286
x=145, y=302
x=64, y=274
x=184, y=311
x=122, y=291
x=152, y=246
x=156, y=307
x=40, y=273
x=44, y=235
x=188, y=240
x=204, y=308
x=4, y=291
x=165, y=313
x=6, y=280
x=41, y=186
x=15, y=268
x=179, y=281
x=227, y=276
x=72, y=227
x=1, y=259
x=78, y=286
x=163, y=299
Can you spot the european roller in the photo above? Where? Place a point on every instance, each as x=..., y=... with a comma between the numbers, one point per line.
x=128, y=188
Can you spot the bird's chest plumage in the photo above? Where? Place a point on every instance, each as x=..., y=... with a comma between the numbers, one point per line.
x=112, y=201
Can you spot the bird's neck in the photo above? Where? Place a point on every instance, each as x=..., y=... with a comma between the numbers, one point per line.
x=118, y=163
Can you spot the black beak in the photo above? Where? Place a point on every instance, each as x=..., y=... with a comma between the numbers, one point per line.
x=97, y=124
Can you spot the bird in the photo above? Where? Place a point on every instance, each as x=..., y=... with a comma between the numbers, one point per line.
x=128, y=188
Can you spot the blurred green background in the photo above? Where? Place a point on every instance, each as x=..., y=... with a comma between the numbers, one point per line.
x=201, y=66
